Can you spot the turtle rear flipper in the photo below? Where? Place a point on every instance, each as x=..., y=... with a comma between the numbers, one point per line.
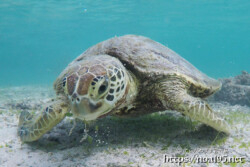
x=177, y=98
x=31, y=128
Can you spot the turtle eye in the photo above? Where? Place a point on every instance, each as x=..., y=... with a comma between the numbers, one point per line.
x=103, y=87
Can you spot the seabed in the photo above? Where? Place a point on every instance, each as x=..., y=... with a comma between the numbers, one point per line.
x=112, y=141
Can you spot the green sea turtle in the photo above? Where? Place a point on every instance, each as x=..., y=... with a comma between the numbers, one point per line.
x=126, y=76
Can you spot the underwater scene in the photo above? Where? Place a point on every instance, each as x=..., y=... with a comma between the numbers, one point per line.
x=124, y=83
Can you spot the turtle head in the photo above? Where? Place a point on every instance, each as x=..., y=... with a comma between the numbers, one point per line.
x=97, y=88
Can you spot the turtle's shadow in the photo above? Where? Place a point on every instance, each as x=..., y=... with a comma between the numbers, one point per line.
x=117, y=132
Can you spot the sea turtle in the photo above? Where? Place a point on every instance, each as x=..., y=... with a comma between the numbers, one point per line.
x=126, y=76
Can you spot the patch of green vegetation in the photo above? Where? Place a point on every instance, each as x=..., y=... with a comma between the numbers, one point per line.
x=185, y=164
x=96, y=128
x=238, y=117
x=234, y=164
x=193, y=124
x=149, y=128
x=165, y=147
x=242, y=144
x=238, y=140
x=220, y=164
x=88, y=148
x=220, y=139
x=142, y=155
x=125, y=153
x=245, y=145
x=233, y=146
x=90, y=139
x=186, y=147
x=69, y=114
x=243, y=161
x=180, y=155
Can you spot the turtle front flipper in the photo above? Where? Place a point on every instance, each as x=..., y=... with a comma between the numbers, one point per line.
x=32, y=127
x=176, y=97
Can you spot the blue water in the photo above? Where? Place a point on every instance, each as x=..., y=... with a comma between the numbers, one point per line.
x=39, y=38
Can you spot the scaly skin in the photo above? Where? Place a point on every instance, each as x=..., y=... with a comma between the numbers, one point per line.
x=31, y=127
x=173, y=93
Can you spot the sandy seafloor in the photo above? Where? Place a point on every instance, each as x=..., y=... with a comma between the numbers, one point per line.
x=118, y=142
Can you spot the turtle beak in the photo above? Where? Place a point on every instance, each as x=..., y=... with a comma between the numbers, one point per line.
x=85, y=109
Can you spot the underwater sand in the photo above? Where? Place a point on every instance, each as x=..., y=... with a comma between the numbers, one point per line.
x=116, y=142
